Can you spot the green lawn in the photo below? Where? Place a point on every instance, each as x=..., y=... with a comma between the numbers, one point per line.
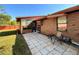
x=20, y=47
x=6, y=43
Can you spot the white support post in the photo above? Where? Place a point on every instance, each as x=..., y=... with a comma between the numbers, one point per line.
x=21, y=29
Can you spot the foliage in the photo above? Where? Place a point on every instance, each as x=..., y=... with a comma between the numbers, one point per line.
x=6, y=33
x=4, y=19
x=13, y=22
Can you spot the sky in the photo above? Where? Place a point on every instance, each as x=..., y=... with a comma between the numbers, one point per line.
x=17, y=10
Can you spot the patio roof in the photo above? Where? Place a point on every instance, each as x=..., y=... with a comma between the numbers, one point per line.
x=39, y=17
x=31, y=18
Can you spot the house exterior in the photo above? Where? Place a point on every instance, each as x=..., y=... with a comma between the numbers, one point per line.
x=66, y=21
x=27, y=22
x=49, y=25
x=70, y=20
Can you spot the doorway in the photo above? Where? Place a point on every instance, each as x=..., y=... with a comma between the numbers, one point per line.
x=34, y=26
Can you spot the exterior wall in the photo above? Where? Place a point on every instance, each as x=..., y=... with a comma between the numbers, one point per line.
x=49, y=26
x=73, y=26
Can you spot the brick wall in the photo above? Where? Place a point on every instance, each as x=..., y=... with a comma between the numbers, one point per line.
x=49, y=26
x=73, y=26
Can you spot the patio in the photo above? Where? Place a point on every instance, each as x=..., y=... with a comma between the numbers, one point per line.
x=40, y=45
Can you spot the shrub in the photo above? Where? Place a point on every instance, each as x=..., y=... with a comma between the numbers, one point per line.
x=5, y=33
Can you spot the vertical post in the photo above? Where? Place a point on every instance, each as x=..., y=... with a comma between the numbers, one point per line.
x=21, y=26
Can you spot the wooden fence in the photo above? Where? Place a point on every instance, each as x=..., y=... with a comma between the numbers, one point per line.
x=8, y=27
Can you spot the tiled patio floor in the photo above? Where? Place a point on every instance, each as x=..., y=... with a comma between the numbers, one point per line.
x=40, y=45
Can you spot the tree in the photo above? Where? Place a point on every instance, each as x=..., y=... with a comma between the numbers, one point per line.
x=13, y=22
x=4, y=19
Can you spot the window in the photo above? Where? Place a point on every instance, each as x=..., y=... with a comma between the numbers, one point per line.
x=62, y=23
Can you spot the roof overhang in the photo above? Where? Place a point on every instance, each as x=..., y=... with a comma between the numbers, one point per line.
x=71, y=9
x=56, y=15
x=34, y=18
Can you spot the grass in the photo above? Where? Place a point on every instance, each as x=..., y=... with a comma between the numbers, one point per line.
x=7, y=40
x=6, y=43
x=20, y=47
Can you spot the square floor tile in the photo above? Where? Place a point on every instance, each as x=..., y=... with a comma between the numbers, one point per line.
x=31, y=46
x=69, y=53
x=38, y=53
x=39, y=47
x=50, y=47
x=64, y=46
x=72, y=51
x=44, y=51
x=60, y=50
x=34, y=50
x=54, y=52
x=40, y=44
x=44, y=45
x=49, y=43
